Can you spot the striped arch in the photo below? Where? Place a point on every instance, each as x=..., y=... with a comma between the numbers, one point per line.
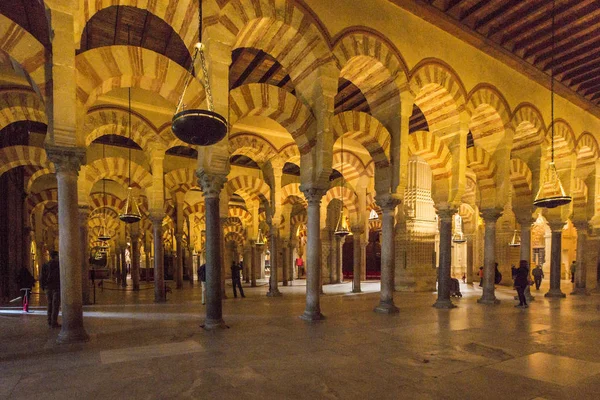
x=467, y=214
x=103, y=69
x=36, y=199
x=434, y=151
x=96, y=223
x=189, y=209
x=108, y=200
x=252, y=146
x=579, y=192
x=285, y=31
x=249, y=187
x=587, y=150
x=25, y=50
x=489, y=110
x=374, y=225
x=116, y=168
x=439, y=94
x=290, y=153
x=16, y=156
x=352, y=165
x=291, y=190
x=367, y=131
x=484, y=167
x=564, y=139
x=169, y=208
x=300, y=218
x=175, y=13
x=234, y=237
x=521, y=179
x=39, y=172
x=349, y=198
x=529, y=126
x=50, y=218
x=244, y=216
x=180, y=180
x=105, y=212
x=102, y=121
x=275, y=103
x=235, y=228
x=21, y=105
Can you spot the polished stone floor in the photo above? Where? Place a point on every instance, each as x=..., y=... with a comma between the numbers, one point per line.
x=142, y=350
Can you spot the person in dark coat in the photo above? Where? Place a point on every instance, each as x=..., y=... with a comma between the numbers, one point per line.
x=202, y=279
x=51, y=285
x=521, y=282
x=235, y=279
x=25, y=281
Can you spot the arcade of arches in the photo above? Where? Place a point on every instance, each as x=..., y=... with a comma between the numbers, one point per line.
x=440, y=141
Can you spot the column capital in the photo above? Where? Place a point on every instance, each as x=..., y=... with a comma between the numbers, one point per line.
x=445, y=213
x=179, y=236
x=581, y=225
x=211, y=184
x=556, y=226
x=357, y=229
x=490, y=214
x=67, y=159
x=525, y=221
x=313, y=194
x=156, y=217
x=388, y=201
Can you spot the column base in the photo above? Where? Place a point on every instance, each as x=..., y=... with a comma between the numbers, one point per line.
x=444, y=304
x=555, y=293
x=356, y=290
x=160, y=300
x=386, y=308
x=312, y=316
x=493, y=300
x=213, y=324
x=253, y=284
x=274, y=293
x=78, y=335
x=580, y=292
x=285, y=283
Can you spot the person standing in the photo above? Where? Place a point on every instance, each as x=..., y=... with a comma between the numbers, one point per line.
x=202, y=279
x=235, y=279
x=51, y=285
x=521, y=282
x=573, y=270
x=480, y=276
x=25, y=281
x=538, y=275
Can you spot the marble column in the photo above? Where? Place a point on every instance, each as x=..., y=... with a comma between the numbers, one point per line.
x=148, y=254
x=273, y=284
x=211, y=188
x=470, y=258
x=525, y=251
x=388, y=205
x=135, y=261
x=124, y=265
x=356, y=252
x=118, y=264
x=580, y=272
x=313, y=262
x=445, y=216
x=290, y=262
x=334, y=258
x=179, y=264
x=257, y=250
x=284, y=263
x=159, y=260
x=247, y=262
x=190, y=264
x=84, y=213
x=555, y=256
x=224, y=261
x=67, y=162
x=490, y=216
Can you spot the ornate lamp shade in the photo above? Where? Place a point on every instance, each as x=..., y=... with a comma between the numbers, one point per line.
x=551, y=193
x=131, y=212
x=341, y=231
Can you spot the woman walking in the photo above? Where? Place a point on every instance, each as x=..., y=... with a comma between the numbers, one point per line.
x=521, y=282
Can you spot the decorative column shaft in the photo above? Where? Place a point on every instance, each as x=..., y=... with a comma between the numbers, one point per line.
x=356, y=232
x=388, y=205
x=490, y=216
x=189, y=260
x=247, y=262
x=256, y=262
x=555, y=255
x=211, y=188
x=179, y=265
x=313, y=262
x=147, y=266
x=445, y=217
x=84, y=213
x=67, y=162
x=273, y=288
x=284, y=261
x=580, y=272
x=290, y=262
x=124, y=265
x=159, y=258
x=135, y=262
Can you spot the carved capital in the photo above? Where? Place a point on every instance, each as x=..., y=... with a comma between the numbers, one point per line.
x=357, y=230
x=387, y=202
x=84, y=213
x=66, y=159
x=313, y=194
x=581, y=226
x=525, y=221
x=156, y=218
x=556, y=226
x=491, y=215
x=211, y=184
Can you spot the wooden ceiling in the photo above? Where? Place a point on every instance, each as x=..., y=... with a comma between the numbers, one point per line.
x=256, y=66
x=524, y=29
x=31, y=15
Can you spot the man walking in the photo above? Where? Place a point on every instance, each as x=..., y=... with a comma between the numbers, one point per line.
x=51, y=285
x=235, y=279
x=573, y=270
x=202, y=279
x=538, y=275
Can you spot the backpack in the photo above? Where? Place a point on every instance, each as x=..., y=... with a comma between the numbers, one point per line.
x=497, y=277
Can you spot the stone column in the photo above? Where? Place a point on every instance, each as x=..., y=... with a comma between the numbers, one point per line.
x=273, y=289
x=357, y=230
x=148, y=254
x=526, y=251
x=247, y=262
x=135, y=260
x=388, y=205
x=118, y=264
x=470, y=257
x=580, y=272
x=224, y=260
x=159, y=258
x=555, y=256
x=490, y=216
x=290, y=264
x=84, y=213
x=284, y=263
x=190, y=264
x=67, y=162
x=179, y=264
x=313, y=262
x=445, y=216
x=257, y=250
x=124, y=265
x=211, y=188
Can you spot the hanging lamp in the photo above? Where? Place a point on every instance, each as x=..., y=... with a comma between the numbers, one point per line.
x=260, y=240
x=552, y=193
x=373, y=215
x=104, y=236
x=515, y=241
x=131, y=212
x=458, y=236
x=196, y=126
x=341, y=231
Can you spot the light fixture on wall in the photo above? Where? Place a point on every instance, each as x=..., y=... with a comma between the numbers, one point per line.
x=552, y=193
x=341, y=231
x=515, y=241
x=131, y=212
x=196, y=126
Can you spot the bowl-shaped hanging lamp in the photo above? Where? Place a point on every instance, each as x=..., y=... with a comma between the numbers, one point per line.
x=341, y=230
x=131, y=212
x=260, y=240
x=515, y=241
